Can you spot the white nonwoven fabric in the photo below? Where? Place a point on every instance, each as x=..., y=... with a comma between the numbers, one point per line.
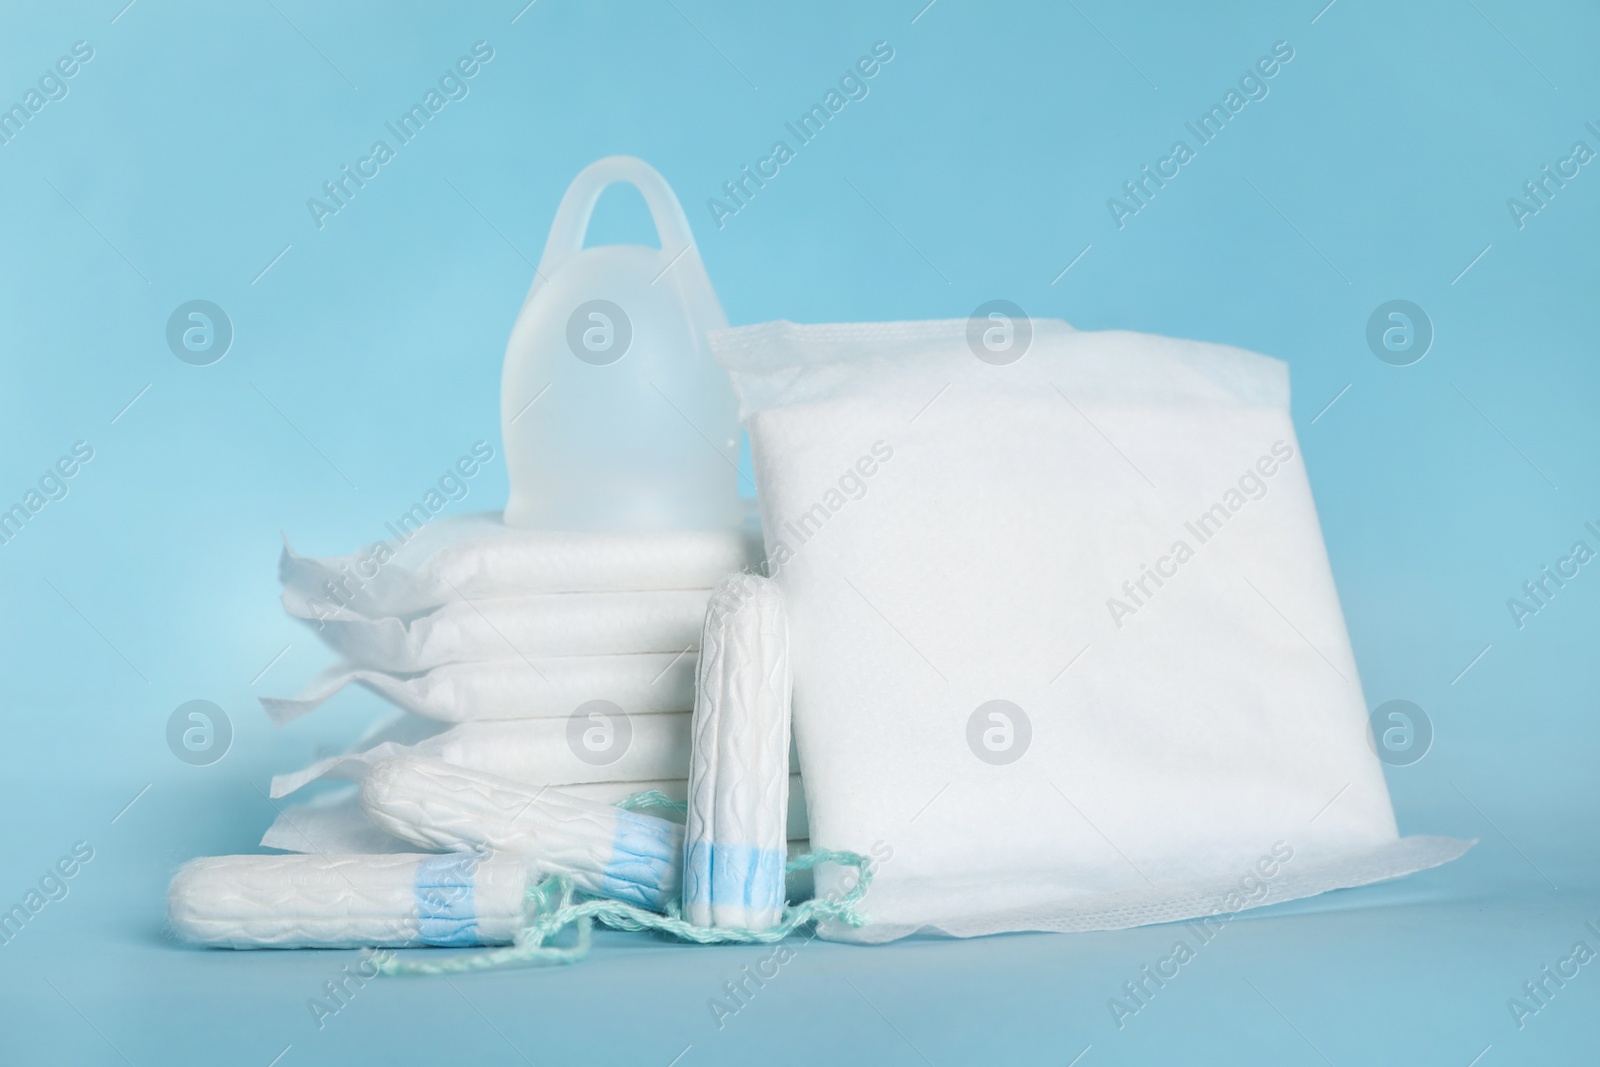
x=334, y=822
x=477, y=557
x=347, y=901
x=734, y=833
x=512, y=688
x=527, y=628
x=1064, y=631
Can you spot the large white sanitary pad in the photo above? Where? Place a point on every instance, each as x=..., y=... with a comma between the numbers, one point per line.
x=1065, y=635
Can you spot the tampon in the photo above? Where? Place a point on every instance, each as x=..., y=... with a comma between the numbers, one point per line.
x=334, y=822
x=735, y=833
x=607, y=851
x=347, y=901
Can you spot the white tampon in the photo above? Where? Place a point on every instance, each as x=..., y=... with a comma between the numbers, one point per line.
x=606, y=850
x=334, y=822
x=735, y=832
x=348, y=901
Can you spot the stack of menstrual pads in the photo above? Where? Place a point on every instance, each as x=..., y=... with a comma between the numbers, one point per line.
x=563, y=660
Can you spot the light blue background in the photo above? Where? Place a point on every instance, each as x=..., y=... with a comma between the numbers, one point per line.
x=1378, y=168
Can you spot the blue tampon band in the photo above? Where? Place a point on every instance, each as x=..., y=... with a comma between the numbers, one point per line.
x=443, y=896
x=733, y=874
